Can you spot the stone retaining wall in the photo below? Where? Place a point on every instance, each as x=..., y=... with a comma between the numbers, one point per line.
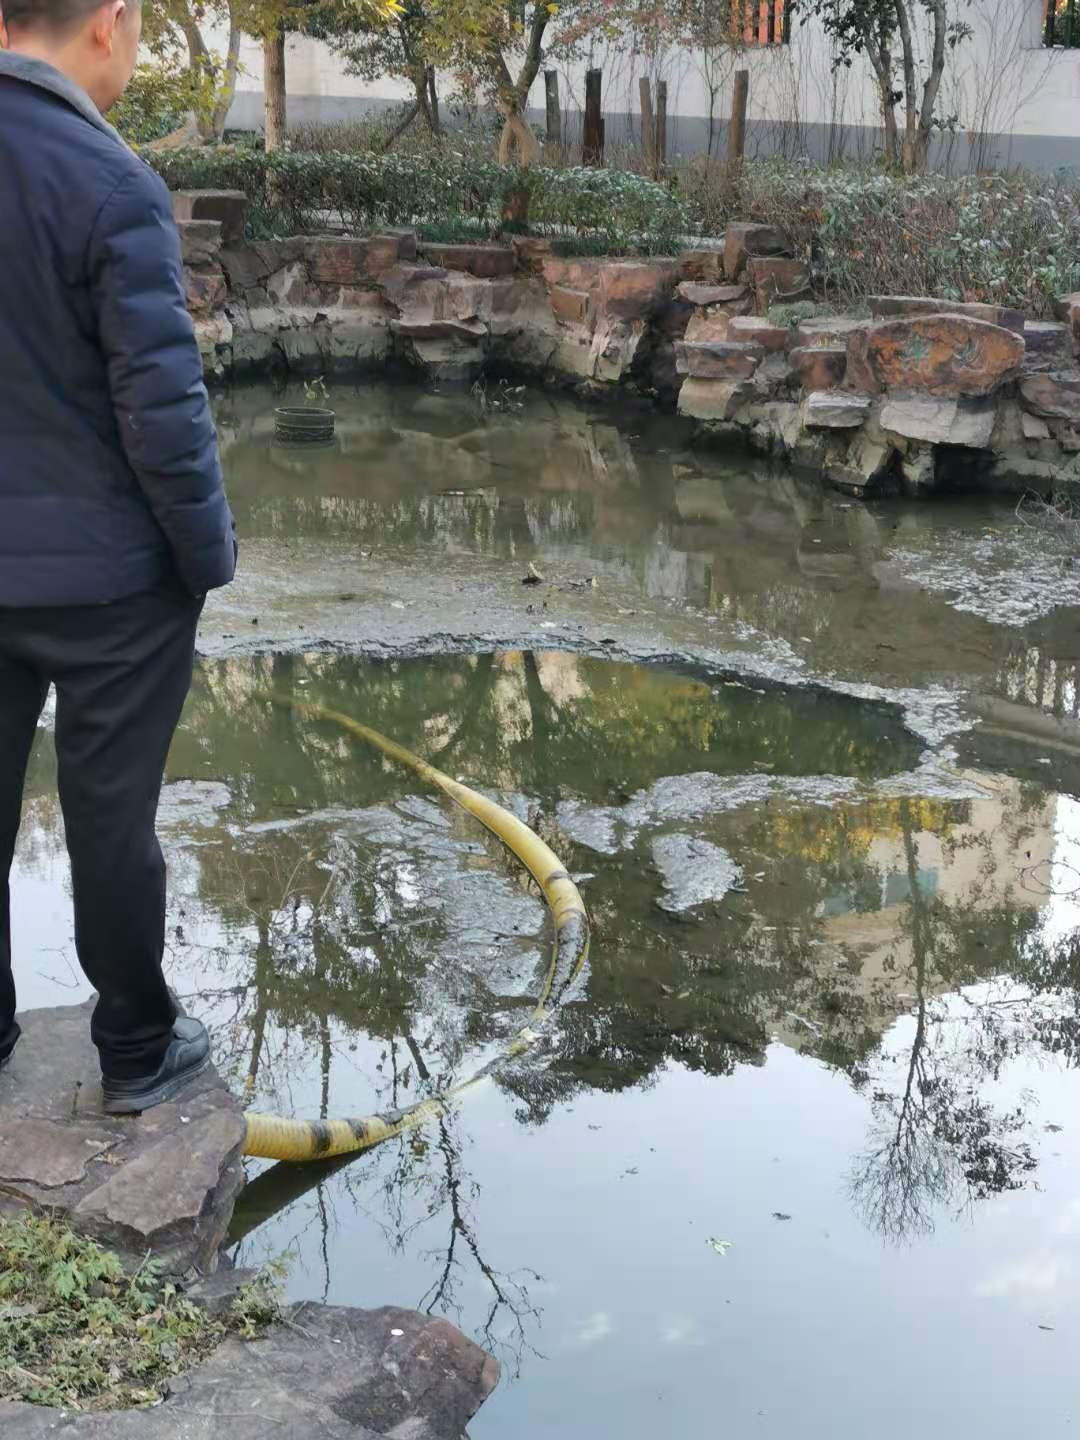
x=914, y=395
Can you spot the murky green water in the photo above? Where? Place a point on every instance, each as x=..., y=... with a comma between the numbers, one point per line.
x=797, y=1158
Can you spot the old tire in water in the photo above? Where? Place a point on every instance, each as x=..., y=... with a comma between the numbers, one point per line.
x=304, y=424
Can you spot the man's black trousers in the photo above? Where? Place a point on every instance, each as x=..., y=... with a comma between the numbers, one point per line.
x=121, y=673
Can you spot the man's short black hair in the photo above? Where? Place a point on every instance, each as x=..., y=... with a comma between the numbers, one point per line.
x=47, y=14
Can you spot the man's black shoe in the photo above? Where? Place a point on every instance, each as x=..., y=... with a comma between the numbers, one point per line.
x=188, y=1055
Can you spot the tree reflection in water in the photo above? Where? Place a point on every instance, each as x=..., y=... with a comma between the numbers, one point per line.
x=357, y=945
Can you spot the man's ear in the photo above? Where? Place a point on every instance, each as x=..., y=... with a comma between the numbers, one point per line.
x=107, y=19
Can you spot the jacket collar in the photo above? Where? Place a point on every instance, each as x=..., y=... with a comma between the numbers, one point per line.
x=47, y=77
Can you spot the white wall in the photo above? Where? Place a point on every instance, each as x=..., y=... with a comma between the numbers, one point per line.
x=1010, y=99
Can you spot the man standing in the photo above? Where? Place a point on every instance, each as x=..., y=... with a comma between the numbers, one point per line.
x=113, y=518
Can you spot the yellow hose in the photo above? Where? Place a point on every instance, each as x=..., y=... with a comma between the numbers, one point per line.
x=277, y=1138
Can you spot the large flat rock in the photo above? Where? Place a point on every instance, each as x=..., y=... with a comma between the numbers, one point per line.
x=331, y=1372
x=949, y=355
x=164, y=1181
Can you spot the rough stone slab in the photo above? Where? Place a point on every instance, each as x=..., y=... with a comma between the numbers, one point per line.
x=205, y=290
x=713, y=399
x=230, y=207
x=383, y=254
x=835, y=410
x=530, y=251
x=1047, y=339
x=704, y=295
x=860, y=374
x=1054, y=395
x=486, y=262
x=431, y=329
x=165, y=1180
x=337, y=1374
x=706, y=266
x=828, y=330
x=939, y=420
x=200, y=241
x=905, y=306
x=569, y=306
x=718, y=360
x=1033, y=427
x=777, y=280
x=159, y=1195
x=404, y=238
x=744, y=240
x=755, y=329
x=820, y=367
x=42, y=1153
x=249, y=266
x=631, y=290
x=866, y=470
x=336, y=260
x=943, y=355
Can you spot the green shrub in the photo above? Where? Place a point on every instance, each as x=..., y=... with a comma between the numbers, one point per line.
x=78, y=1332
x=300, y=193
x=155, y=103
x=1007, y=239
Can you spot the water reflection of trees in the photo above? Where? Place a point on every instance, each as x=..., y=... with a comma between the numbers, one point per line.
x=529, y=722
x=850, y=923
x=894, y=917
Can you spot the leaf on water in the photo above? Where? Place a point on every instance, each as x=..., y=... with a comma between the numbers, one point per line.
x=720, y=1246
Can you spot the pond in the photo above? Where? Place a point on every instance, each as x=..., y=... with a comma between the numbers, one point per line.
x=796, y=1156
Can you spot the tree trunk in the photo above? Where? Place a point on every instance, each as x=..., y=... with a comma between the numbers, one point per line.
x=226, y=90
x=909, y=146
x=409, y=114
x=274, y=89
x=422, y=87
x=933, y=84
x=516, y=134
x=433, y=116
x=881, y=64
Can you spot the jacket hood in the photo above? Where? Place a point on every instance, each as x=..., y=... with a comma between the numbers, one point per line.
x=47, y=77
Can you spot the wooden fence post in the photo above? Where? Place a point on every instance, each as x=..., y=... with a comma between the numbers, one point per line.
x=661, y=127
x=737, y=126
x=648, y=126
x=554, y=114
x=593, y=133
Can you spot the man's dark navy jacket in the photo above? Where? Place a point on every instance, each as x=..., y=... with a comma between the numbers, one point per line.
x=110, y=482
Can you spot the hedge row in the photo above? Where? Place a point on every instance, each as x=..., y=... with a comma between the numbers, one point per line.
x=1010, y=239
x=293, y=193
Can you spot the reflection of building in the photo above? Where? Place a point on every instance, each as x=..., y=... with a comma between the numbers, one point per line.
x=972, y=868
